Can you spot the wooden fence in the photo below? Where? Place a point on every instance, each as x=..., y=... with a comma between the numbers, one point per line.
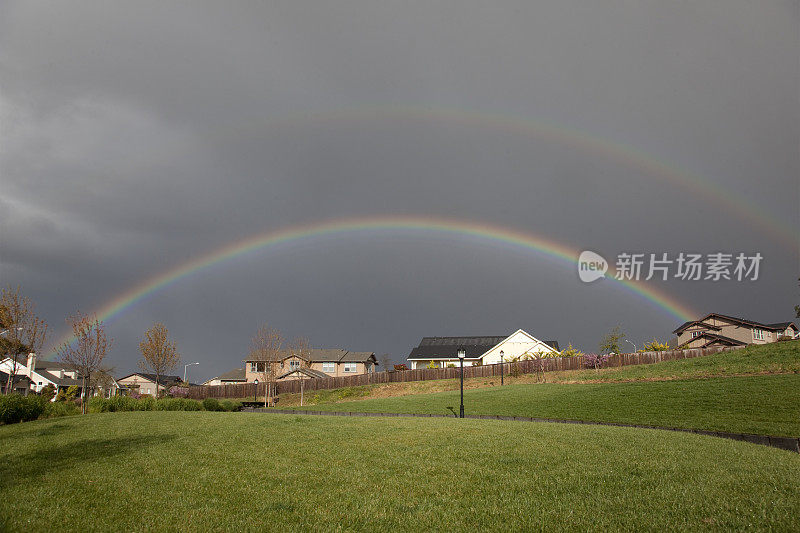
x=553, y=364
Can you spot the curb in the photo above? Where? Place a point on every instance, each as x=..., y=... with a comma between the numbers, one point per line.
x=791, y=444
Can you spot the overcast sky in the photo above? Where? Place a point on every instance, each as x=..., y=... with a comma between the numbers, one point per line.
x=135, y=136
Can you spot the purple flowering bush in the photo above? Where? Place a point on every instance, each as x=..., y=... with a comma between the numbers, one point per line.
x=178, y=392
x=593, y=360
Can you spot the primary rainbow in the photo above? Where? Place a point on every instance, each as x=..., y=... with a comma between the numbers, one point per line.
x=371, y=224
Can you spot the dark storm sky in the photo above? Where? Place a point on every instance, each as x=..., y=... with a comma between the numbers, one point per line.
x=135, y=136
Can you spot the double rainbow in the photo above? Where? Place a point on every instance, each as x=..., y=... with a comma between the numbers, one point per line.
x=425, y=226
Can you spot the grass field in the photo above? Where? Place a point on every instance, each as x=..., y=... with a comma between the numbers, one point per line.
x=189, y=471
x=767, y=405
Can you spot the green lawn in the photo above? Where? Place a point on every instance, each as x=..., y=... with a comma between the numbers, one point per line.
x=774, y=358
x=768, y=405
x=198, y=471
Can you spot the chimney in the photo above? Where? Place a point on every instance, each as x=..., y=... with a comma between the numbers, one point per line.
x=31, y=363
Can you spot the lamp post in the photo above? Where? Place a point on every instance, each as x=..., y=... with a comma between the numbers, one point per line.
x=184, y=370
x=461, y=355
x=629, y=342
x=501, y=368
x=255, y=389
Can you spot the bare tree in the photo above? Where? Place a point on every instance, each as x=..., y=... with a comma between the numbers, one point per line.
x=159, y=354
x=103, y=378
x=86, y=353
x=266, y=351
x=22, y=330
x=301, y=348
x=386, y=361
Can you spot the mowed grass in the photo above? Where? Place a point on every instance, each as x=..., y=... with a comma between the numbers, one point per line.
x=767, y=405
x=200, y=471
x=773, y=358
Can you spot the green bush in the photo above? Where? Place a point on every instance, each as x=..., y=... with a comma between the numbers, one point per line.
x=15, y=408
x=113, y=404
x=54, y=409
x=230, y=405
x=47, y=392
x=67, y=395
x=126, y=403
x=178, y=404
x=211, y=404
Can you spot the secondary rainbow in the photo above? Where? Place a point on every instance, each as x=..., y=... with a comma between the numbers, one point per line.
x=375, y=224
x=724, y=198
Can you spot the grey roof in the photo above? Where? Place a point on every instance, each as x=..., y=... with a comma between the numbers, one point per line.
x=310, y=372
x=162, y=380
x=357, y=357
x=781, y=325
x=714, y=337
x=447, y=347
x=18, y=378
x=61, y=382
x=745, y=321
x=237, y=374
x=330, y=355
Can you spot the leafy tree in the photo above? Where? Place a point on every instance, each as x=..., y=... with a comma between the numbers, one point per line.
x=610, y=343
x=86, y=353
x=432, y=364
x=159, y=353
x=22, y=330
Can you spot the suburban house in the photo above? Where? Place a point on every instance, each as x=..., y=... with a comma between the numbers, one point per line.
x=232, y=376
x=146, y=383
x=443, y=351
x=329, y=362
x=40, y=373
x=723, y=330
x=21, y=384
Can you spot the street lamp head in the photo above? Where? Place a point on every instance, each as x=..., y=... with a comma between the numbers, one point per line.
x=255, y=381
x=461, y=353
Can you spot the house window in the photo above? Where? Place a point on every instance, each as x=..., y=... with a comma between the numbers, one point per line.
x=252, y=367
x=697, y=333
x=294, y=365
x=350, y=367
x=758, y=334
x=329, y=367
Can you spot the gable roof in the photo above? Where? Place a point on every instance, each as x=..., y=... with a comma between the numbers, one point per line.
x=18, y=378
x=447, y=347
x=61, y=382
x=237, y=374
x=309, y=372
x=327, y=355
x=782, y=325
x=162, y=380
x=736, y=320
x=713, y=337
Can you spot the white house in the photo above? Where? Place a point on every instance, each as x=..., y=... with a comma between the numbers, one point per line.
x=479, y=350
x=41, y=373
